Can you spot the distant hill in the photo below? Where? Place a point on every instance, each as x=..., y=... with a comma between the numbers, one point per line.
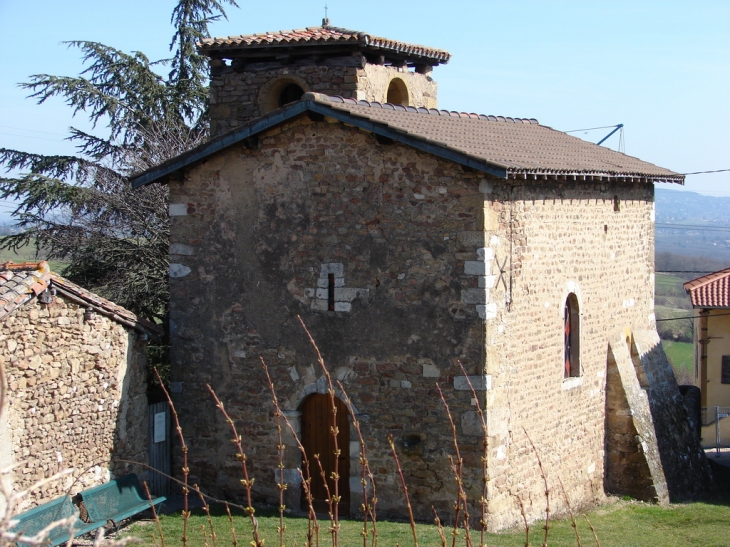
x=678, y=206
x=704, y=220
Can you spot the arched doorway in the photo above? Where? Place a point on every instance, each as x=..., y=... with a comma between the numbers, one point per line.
x=317, y=439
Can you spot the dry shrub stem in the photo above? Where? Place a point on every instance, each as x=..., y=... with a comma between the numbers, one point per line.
x=368, y=508
x=405, y=489
x=280, y=450
x=485, y=453
x=330, y=503
x=234, y=539
x=570, y=512
x=205, y=536
x=524, y=519
x=185, y=468
x=547, y=490
x=206, y=508
x=154, y=515
x=312, y=523
x=241, y=456
x=457, y=468
x=595, y=536
x=333, y=501
x=437, y=522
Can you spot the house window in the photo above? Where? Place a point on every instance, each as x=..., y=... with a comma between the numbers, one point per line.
x=571, y=337
x=725, y=371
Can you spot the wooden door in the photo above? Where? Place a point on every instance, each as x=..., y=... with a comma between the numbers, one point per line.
x=317, y=439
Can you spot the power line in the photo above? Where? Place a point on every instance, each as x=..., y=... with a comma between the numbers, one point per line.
x=32, y=130
x=590, y=129
x=704, y=172
x=691, y=227
x=690, y=317
x=29, y=137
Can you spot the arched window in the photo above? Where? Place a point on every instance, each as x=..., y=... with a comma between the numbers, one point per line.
x=281, y=91
x=397, y=92
x=571, y=325
x=289, y=94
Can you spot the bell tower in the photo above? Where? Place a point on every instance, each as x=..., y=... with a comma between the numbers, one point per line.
x=255, y=74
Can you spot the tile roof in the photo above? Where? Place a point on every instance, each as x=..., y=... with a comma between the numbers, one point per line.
x=521, y=146
x=321, y=36
x=503, y=146
x=20, y=283
x=710, y=291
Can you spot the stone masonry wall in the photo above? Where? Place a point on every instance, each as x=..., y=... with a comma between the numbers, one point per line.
x=432, y=264
x=549, y=239
x=236, y=97
x=77, y=397
x=255, y=233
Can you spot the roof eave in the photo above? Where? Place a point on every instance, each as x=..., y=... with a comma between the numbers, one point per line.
x=539, y=173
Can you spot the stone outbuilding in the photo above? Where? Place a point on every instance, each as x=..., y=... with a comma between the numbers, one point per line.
x=75, y=378
x=413, y=241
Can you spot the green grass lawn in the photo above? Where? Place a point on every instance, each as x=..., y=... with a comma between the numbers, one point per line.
x=621, y=524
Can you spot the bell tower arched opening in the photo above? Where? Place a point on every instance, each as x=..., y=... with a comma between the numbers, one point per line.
x=398, y=92
x=281, y=91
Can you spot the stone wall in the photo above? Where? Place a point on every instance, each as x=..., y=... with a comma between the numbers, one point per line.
x=77, y=397
x=550, y=239
x=256, y=232
x=432, y=265
x=238, y=96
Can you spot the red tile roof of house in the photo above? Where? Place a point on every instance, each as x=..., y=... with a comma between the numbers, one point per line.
x=321, y=36
x=20, y=283
x=710, y=291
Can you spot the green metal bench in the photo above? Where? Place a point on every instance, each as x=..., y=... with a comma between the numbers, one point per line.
x=116, y=500
x=33, y=521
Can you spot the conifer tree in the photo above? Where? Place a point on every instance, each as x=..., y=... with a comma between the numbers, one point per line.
x=81, y=209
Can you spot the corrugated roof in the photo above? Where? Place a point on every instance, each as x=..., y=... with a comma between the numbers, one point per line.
x=503, y=146
x=710, y=291
x=321, y=36
x=19, y=283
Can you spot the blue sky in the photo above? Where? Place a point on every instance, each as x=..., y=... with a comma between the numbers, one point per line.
x=662, y=68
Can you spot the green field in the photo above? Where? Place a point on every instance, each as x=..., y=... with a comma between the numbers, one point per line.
x=669, y=285
x=28, y=254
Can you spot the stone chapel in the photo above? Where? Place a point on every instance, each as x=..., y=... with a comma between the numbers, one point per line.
x=412, y=239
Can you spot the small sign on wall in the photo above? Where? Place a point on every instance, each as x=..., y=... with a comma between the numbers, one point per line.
x=725, y=373
x=160, y=433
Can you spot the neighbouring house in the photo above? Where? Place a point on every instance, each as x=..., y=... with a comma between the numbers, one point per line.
x=710, y=296
x=75, y=373
x=411, y=241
